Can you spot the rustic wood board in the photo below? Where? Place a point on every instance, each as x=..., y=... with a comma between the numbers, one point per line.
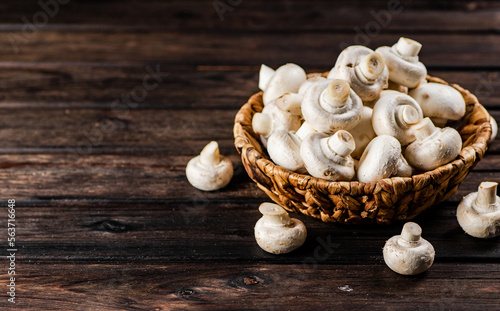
x=106, y=219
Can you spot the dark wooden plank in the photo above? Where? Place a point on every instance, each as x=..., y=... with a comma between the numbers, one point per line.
x=156, y=175
x=228, y=286
x=185, y=87
x=87, y=131
x=99, y=86
x=232, y=48
x=317, y=15
x=204, y=227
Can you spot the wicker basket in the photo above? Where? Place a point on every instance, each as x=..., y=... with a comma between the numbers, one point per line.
x=382, y=202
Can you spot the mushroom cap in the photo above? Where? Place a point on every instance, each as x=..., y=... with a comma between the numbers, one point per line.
x=304, y=86
x=284, y=149
x=328, y=157
x=439, y=101
x=363, y=132
x=494, y=129
x=286, y=79
x=391, y=116
x=380, y=159
x=335, y=118
x=347, y=68
x=209, y=171
x=475, y=223
x=403, y=70
x=408, y=258
x=272, y=119
x=276, y=233
x=438, y=148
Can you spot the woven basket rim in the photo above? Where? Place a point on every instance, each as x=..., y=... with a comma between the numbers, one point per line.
x=473, y=152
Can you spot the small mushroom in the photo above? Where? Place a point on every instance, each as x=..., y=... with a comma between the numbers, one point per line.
x=330, y=106
x=409, y=253
x=494, y=129
x=329, y=157
x=291, y=103
x=310, y=81
x=272, y=118
x=209, y=171
x=439, y=101
x=397, y=87
x=433, y=147
x=394, y=113
x=402, y=61
x=382, y=159
x=304, y=130
x=363, y=133
x=479, y=212
x=284, y=149
x=286, y=79
x=363, y=69
x=276, y=232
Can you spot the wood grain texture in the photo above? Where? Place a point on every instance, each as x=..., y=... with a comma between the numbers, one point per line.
x=85, y=86
x=106, y=217
x=203, y=228
x=229, y=286
x=233, y=48
x=318, y=15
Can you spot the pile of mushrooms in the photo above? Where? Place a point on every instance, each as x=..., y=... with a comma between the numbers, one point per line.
x=375, y=116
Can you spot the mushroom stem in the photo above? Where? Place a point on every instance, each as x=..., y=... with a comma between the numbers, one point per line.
x=304, y=130
x=408, y=47
x=290, y=102
x=407, y=115
x=372, y=66
x=336, y=93
x=274, y=214
x=262, y=124
x=341, y=143
x=411, y=232
x=210, y=155
x=486, y=199
x=265, y=75
x=423, y=129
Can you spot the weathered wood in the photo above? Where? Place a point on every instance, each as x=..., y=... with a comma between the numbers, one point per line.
x=318, y=15
x=232, y=48
x=57, y=85
x=148, y=176
x=229, y=286
x=208, y=227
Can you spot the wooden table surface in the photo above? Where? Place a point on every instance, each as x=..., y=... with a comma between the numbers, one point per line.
x=102, y=104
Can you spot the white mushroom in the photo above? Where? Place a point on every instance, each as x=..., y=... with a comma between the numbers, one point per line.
x=284, y=149
x=276, y=232
x=397, y=87
x=305, y=130
x=363, y=69
x=329, y=157
x=394, y=113
x=439, y=101
x=304, y=86
x=479, y=212
x=286, y=79
x=409, y=253
x=291, y=103
x=433, y=147
x=402, y=61
x=363, y=133
x=382, y=159
x=331, y=106
x=272, y=118
x=494, y=129
x=209, y=171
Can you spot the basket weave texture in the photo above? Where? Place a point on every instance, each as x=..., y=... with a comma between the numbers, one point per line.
x=381, y=202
